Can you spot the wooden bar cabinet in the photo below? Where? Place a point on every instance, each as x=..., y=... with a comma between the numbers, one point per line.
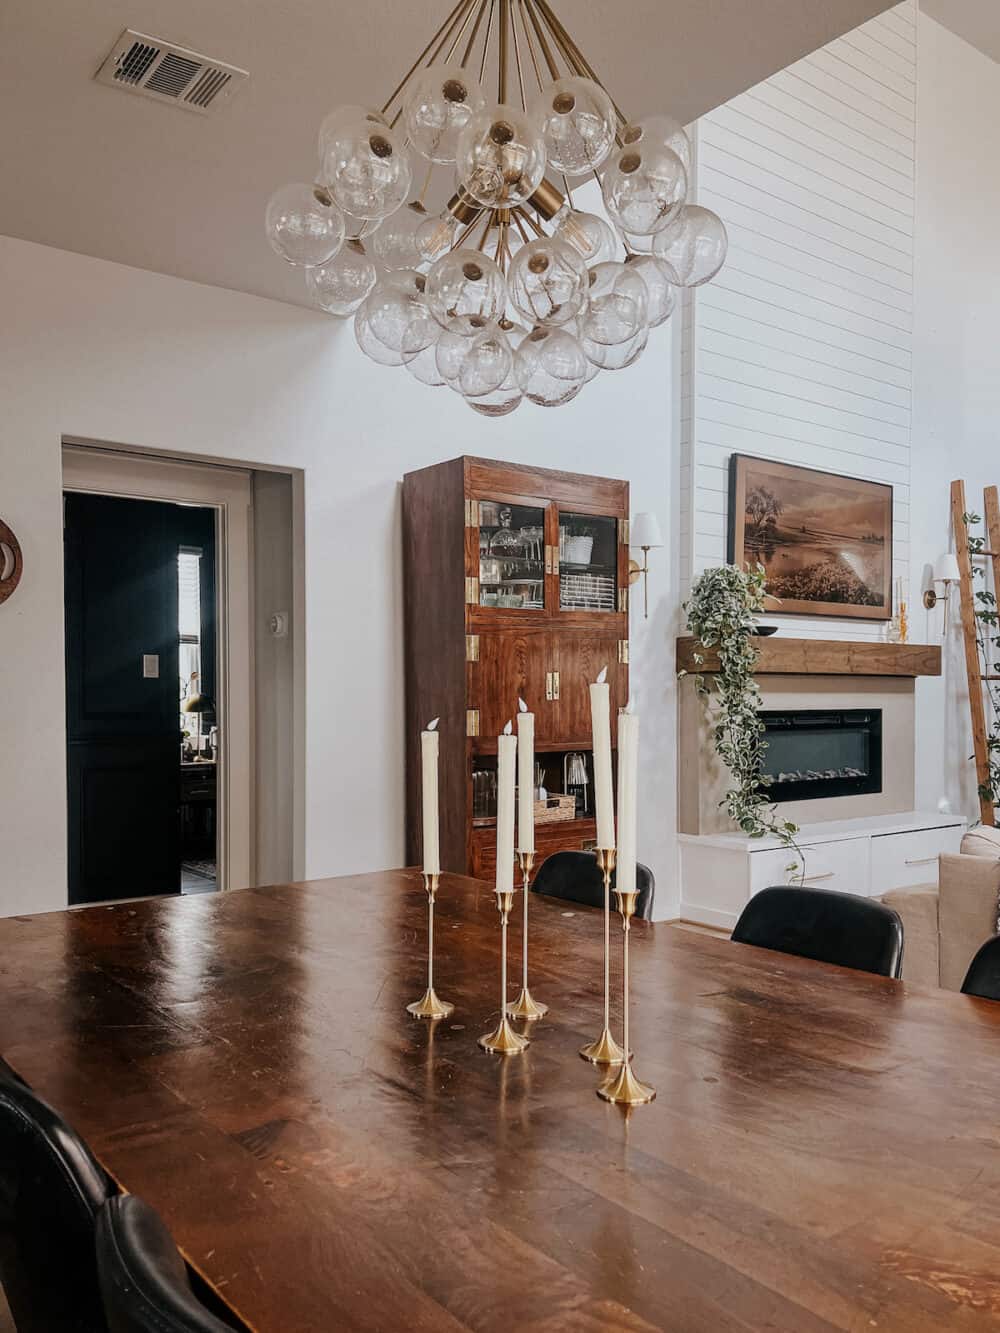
x=516, y=586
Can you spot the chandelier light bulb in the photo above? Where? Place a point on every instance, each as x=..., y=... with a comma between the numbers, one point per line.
x=500, y=157
x=487, y=363
x=586, y=233
x=660, y=296
x=578, y=124
x=661, y=129
x=551, y=367
x=548, y=282
x=340, y=286
x=465, y=282
x=440, y=102
x=618, y=305
x=694, y=247
x=644, y=187
x=303, y=226
x=342, y=116
x=366, y=169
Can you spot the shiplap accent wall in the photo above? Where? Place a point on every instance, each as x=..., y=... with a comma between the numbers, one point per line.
x=801, y=349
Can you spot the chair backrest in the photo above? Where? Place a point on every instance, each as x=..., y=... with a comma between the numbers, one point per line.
x=144, y=1280
x=52, y=1191
x=575, y=877
x=830, y=927
x=983, y=976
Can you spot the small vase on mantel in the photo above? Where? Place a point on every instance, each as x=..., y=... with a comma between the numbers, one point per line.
x=899, y=626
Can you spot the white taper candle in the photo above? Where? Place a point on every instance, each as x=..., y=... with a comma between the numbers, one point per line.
x=604, y=796
x=429, y=743
x=628, y=792
x=525, y=778
x=506, y=774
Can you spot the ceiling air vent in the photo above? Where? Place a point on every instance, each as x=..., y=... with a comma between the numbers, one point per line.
x=169, y=73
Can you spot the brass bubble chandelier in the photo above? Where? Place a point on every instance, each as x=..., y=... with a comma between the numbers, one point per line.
x=509, y=292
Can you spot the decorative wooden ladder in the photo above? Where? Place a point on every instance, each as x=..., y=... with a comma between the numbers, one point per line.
x=973, y=663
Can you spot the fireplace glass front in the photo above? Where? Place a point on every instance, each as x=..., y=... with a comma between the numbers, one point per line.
x=814, y=754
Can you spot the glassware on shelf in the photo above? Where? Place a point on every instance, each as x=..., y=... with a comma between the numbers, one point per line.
x=505, y=541
x=588, y=563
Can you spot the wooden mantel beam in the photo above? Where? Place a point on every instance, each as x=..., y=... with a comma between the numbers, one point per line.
x=824, y=657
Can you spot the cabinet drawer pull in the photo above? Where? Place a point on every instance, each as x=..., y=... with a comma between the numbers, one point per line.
x=555, y=684
x=920, y=860
x=548, y=686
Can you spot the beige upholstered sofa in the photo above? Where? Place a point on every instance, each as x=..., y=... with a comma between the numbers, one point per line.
x=945, y=925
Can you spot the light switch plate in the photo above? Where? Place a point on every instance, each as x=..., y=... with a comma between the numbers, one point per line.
x=151, y=666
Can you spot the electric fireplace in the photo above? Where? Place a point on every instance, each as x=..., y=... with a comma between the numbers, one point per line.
x=813, y=754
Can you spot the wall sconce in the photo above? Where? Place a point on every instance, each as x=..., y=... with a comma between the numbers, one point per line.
x=644, y=532
x=946, y=573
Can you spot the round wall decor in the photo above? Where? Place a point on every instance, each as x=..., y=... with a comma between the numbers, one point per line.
x=11, y=561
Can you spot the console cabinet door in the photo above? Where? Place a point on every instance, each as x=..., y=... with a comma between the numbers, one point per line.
x=514, y=664
x=581, y=657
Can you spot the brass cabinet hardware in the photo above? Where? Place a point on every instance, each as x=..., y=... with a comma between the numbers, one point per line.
x=472, y=722
x=623, y=531
x=471, y=513
x=472, y=647
x=551, y=560
x=623, y=600
x=548, y=686
x=623, y=652
x=472, y=592
x=555, y=685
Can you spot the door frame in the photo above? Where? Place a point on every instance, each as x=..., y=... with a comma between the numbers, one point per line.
x=229, y=491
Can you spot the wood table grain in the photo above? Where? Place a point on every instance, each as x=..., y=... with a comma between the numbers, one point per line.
x=824, y=1152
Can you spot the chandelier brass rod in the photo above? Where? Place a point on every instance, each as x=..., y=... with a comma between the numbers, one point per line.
x=528, y=43
x=571, y=49
x=517, y=215
x=445, y=27
x=474, y=33
x=502, y=52
x=491, y=218
x=464, y=234
x=486, y=43
x=542, y=43
x=534, y=224
x=517, y=57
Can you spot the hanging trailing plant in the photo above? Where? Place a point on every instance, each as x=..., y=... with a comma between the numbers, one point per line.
x=988, y=644
x=721, y=614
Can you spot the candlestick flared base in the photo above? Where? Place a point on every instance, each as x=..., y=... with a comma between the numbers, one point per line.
x=604, y=1051
x=625, y=1089
x=504, y=1040
x=526, y=1008
x=429, y=1006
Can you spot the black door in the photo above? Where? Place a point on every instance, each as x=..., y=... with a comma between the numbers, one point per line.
x=122, y=697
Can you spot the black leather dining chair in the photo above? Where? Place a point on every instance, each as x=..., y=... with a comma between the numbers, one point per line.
x=829, y=927
x=144, y=1280
x=983, y=976
x=575, y=877
x=52, y=1191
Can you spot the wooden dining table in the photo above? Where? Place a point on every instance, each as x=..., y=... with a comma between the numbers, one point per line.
x=823, y=1152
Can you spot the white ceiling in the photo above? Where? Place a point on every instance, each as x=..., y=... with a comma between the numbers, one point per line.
x=106, y=173
x=978, y=21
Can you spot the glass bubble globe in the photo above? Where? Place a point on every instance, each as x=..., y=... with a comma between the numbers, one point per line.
x=551, y=367
x=589, y=235
x=397, y=315
x=487, y=363
x=465, y=282
x=340, y=286
x=694, y=247
x=644, y=187
x=345, y=115
x=618, y=357
x=578, y=123
x=618, y=305
x=548, y=282
x=394, y=244
x=500, y=157
x=662, y=129
x=303, y=226
x=660, y=298
x=366, y=169
x=369, y=344
x=423, y=366
x=452, y=345
x=440, y=102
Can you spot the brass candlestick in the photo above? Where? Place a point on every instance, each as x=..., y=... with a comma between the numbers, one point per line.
x=504, y=1040
x=623, y=1087
x=429, y=1006
x=524, y=1006
x=605, y=1050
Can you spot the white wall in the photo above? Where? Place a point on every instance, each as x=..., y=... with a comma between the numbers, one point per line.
x=956, y=432
x=801, y=349
x=98, y=351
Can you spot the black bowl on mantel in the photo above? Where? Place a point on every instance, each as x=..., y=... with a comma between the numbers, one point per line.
x=762, y=631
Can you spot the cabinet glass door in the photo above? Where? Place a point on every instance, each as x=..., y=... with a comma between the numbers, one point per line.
x=511, y=556
x=588, y=562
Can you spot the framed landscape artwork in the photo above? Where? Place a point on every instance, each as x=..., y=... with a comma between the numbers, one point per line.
x=825, y=541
